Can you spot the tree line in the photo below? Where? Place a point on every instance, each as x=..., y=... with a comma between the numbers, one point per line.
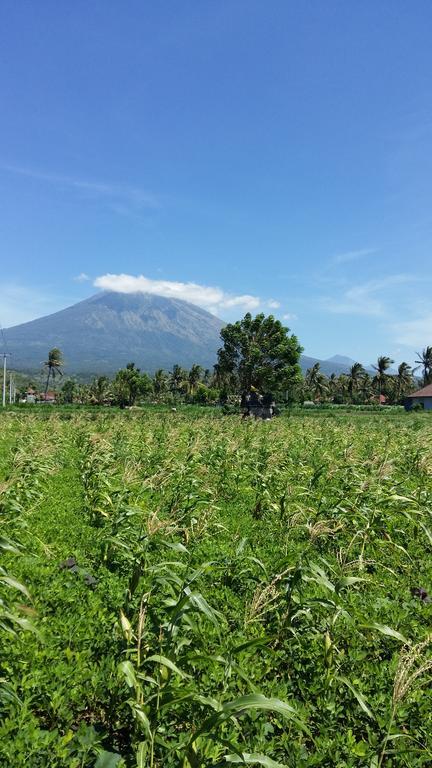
x=256, y=352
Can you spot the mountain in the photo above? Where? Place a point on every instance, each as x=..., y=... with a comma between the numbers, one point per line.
x=105, y=332
x=347, y=362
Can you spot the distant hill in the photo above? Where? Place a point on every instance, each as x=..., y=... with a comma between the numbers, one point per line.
x=347, y=362
x=105, y=332
x=326, y=366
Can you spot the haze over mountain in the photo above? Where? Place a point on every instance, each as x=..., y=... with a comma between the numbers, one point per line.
x=105, y=332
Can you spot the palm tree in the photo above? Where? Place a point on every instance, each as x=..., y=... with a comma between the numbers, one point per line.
x=383, y=364
x=333, y=385
x=194, y=376
x=316, y=382
x=425, y=362
x=356, y=373
x=177, y=377
x=100, y=389
x=366, y=388
x=207, y=377
x=321, y=386
x=404, y=379
x=160, y=381
x=343, y=387
x=83, y=394
x=53, y=364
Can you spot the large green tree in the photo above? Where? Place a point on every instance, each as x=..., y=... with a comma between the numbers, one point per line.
x=68, y=391
x=129, y=383
x=258, y=352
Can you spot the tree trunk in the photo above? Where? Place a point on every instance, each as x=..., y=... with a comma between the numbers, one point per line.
x=47, y=381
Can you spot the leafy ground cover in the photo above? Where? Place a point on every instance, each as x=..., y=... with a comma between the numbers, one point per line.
x=185, y=589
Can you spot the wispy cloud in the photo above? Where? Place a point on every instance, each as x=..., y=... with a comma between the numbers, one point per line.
x=289, y=316
x=121, y=198
x=82, y=278
x=273, y=304
x=211, y=298
x=415, y=333
x=347, y=256
x=362, y=299
x=19, y=303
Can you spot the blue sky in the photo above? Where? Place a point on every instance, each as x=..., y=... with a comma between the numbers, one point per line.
x=275, y=157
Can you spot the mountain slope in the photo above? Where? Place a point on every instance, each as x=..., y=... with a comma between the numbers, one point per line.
x=105, y=332
x=108, y=330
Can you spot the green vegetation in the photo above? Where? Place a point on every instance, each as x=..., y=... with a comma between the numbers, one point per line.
x=256, y=352
x=240, y=593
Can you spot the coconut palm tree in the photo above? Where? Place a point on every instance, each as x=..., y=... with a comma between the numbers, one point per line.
x=356, y=373
x=100, y=389
x=160, y=382
x=193, y=378
x=177, y=378
x=383, y=364
x=316, y=382
x=207, y=377
x=83, y=394
x=404, y=380
x=53, y=365
x=425, y=362
x=366, y=388
x=321, y=387
x=333, y=384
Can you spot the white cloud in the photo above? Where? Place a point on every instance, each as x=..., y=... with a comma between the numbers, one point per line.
x=120, y=198
x=82, y=277
x=344, y=258
x=19, y=304
x=415, y=333
x=361, y=299
x=209, y=297
x=289, y=316
x=273, y=304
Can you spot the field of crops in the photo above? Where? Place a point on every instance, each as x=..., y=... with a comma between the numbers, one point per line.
x=185, y=590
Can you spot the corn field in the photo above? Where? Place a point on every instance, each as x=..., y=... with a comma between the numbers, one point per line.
x=186, y=590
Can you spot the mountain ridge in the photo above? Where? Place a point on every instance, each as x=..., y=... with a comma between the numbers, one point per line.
x=104, y=332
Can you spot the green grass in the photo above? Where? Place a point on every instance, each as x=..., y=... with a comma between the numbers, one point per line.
x=253, y=599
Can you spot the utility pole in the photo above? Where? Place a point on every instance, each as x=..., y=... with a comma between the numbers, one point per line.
x=11, y=389
x=5, y=356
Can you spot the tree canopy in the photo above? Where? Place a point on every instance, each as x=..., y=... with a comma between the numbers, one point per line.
x=258, y=352
x=129, y=383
